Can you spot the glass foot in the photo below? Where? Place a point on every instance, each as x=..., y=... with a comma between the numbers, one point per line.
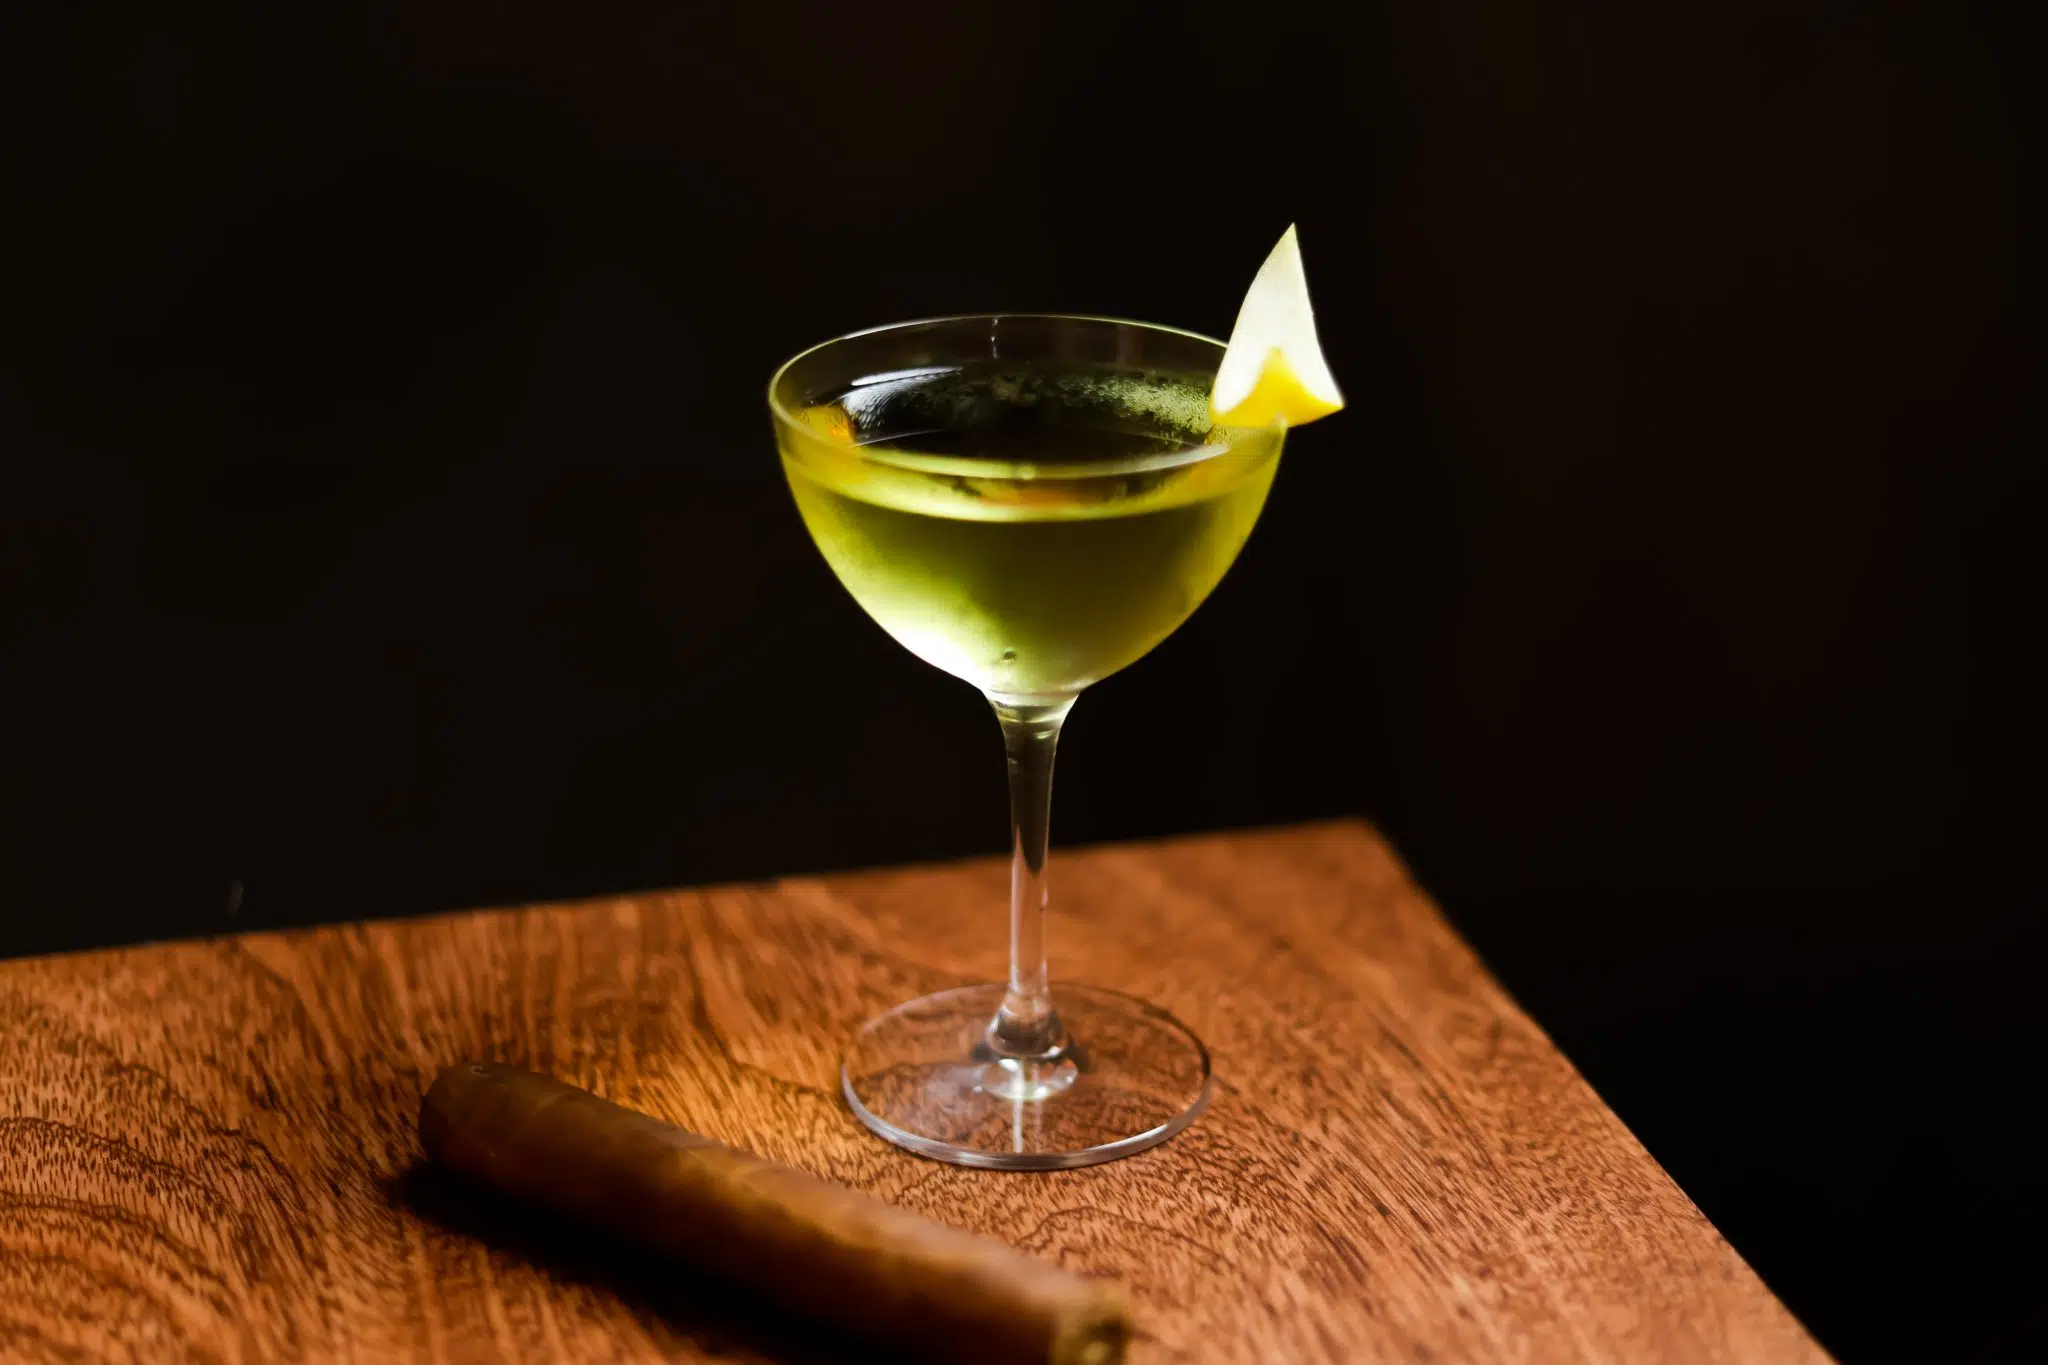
x=922, y=1075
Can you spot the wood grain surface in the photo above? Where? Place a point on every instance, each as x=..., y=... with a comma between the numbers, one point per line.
x=207, y=1149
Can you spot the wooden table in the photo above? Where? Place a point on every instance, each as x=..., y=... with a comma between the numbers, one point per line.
x=207, y=1149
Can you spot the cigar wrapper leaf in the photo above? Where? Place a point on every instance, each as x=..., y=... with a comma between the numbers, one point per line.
x=837, y=1256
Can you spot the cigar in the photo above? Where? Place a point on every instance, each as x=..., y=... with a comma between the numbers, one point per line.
x=929, y=1291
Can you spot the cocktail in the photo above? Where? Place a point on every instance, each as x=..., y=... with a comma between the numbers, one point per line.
x=1031, y=503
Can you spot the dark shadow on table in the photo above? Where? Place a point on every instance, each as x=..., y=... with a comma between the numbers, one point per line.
x=724, y=1322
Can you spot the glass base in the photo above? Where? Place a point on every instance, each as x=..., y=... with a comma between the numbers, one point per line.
x=923, y=1076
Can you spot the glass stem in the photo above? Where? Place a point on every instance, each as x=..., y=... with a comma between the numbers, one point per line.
x=1026, y=1026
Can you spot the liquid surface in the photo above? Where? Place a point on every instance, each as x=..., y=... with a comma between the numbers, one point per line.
x=1031, y=530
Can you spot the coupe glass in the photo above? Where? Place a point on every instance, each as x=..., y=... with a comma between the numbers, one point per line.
x=1029, y=503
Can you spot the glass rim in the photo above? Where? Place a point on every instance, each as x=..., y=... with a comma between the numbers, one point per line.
x=968, y=465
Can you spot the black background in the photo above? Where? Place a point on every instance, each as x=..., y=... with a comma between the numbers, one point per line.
x=389, y=518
